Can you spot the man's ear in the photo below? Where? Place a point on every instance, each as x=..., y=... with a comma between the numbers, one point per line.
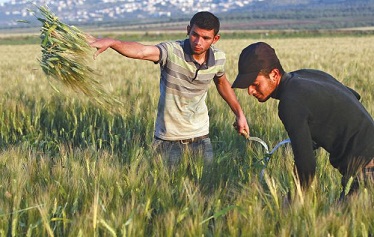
x=188, y=29
x=275, y=74
x=216, y=38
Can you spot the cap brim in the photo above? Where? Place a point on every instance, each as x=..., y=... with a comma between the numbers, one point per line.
x=243, y=81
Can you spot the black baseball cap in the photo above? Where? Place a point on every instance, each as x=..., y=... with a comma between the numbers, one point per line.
x=252, y=60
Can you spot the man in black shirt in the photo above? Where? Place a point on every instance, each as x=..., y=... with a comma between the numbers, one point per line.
x=317, y=111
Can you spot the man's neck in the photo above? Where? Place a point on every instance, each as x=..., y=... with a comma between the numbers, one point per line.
x=279, y=81
x=200, y=58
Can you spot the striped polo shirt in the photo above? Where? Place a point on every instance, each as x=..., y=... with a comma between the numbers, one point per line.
x=182, y=111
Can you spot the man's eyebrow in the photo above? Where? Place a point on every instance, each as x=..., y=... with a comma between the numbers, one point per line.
x=204, y=36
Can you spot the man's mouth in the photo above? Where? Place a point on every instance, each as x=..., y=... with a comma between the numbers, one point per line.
x=196, y=49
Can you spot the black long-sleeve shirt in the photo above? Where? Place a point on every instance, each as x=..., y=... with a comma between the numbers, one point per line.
x=316, y=109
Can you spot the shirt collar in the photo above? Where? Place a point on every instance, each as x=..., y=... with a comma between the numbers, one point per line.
x=188, y=54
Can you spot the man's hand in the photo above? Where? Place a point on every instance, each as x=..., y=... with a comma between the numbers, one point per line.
x=100, y=44
x=241, y=126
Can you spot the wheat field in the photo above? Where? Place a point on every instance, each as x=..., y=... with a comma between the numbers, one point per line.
x=70, y=168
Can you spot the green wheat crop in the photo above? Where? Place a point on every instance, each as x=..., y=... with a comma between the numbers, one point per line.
x=70, y=168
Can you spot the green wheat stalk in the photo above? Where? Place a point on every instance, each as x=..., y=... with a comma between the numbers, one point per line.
x=65, y=54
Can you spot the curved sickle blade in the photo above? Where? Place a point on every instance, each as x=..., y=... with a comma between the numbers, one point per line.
x=256, y=139
x=279, y=144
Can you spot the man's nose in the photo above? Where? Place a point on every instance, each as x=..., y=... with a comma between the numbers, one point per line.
x=197, y=40
x=251, y=90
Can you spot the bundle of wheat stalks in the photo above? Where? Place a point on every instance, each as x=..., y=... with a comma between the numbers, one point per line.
x=65, y=54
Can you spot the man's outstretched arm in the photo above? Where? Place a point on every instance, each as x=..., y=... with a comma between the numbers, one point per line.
x=128, y=49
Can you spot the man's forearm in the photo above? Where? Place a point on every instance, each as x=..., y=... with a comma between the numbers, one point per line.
x=227, y=93
x=129, y=49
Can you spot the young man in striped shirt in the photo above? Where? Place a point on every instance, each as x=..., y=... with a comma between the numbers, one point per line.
x=187, y=68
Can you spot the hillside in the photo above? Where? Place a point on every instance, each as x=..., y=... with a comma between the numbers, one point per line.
x=151, y=14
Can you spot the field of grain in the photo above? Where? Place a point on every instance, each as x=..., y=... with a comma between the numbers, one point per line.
x=71, y=168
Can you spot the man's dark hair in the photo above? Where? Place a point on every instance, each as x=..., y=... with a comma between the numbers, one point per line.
x=206, y=20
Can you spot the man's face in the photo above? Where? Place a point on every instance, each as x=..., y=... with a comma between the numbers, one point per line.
x=201, y=39
x=262, y=87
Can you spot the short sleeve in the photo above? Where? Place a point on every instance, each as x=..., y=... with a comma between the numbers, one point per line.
x=163, y=47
